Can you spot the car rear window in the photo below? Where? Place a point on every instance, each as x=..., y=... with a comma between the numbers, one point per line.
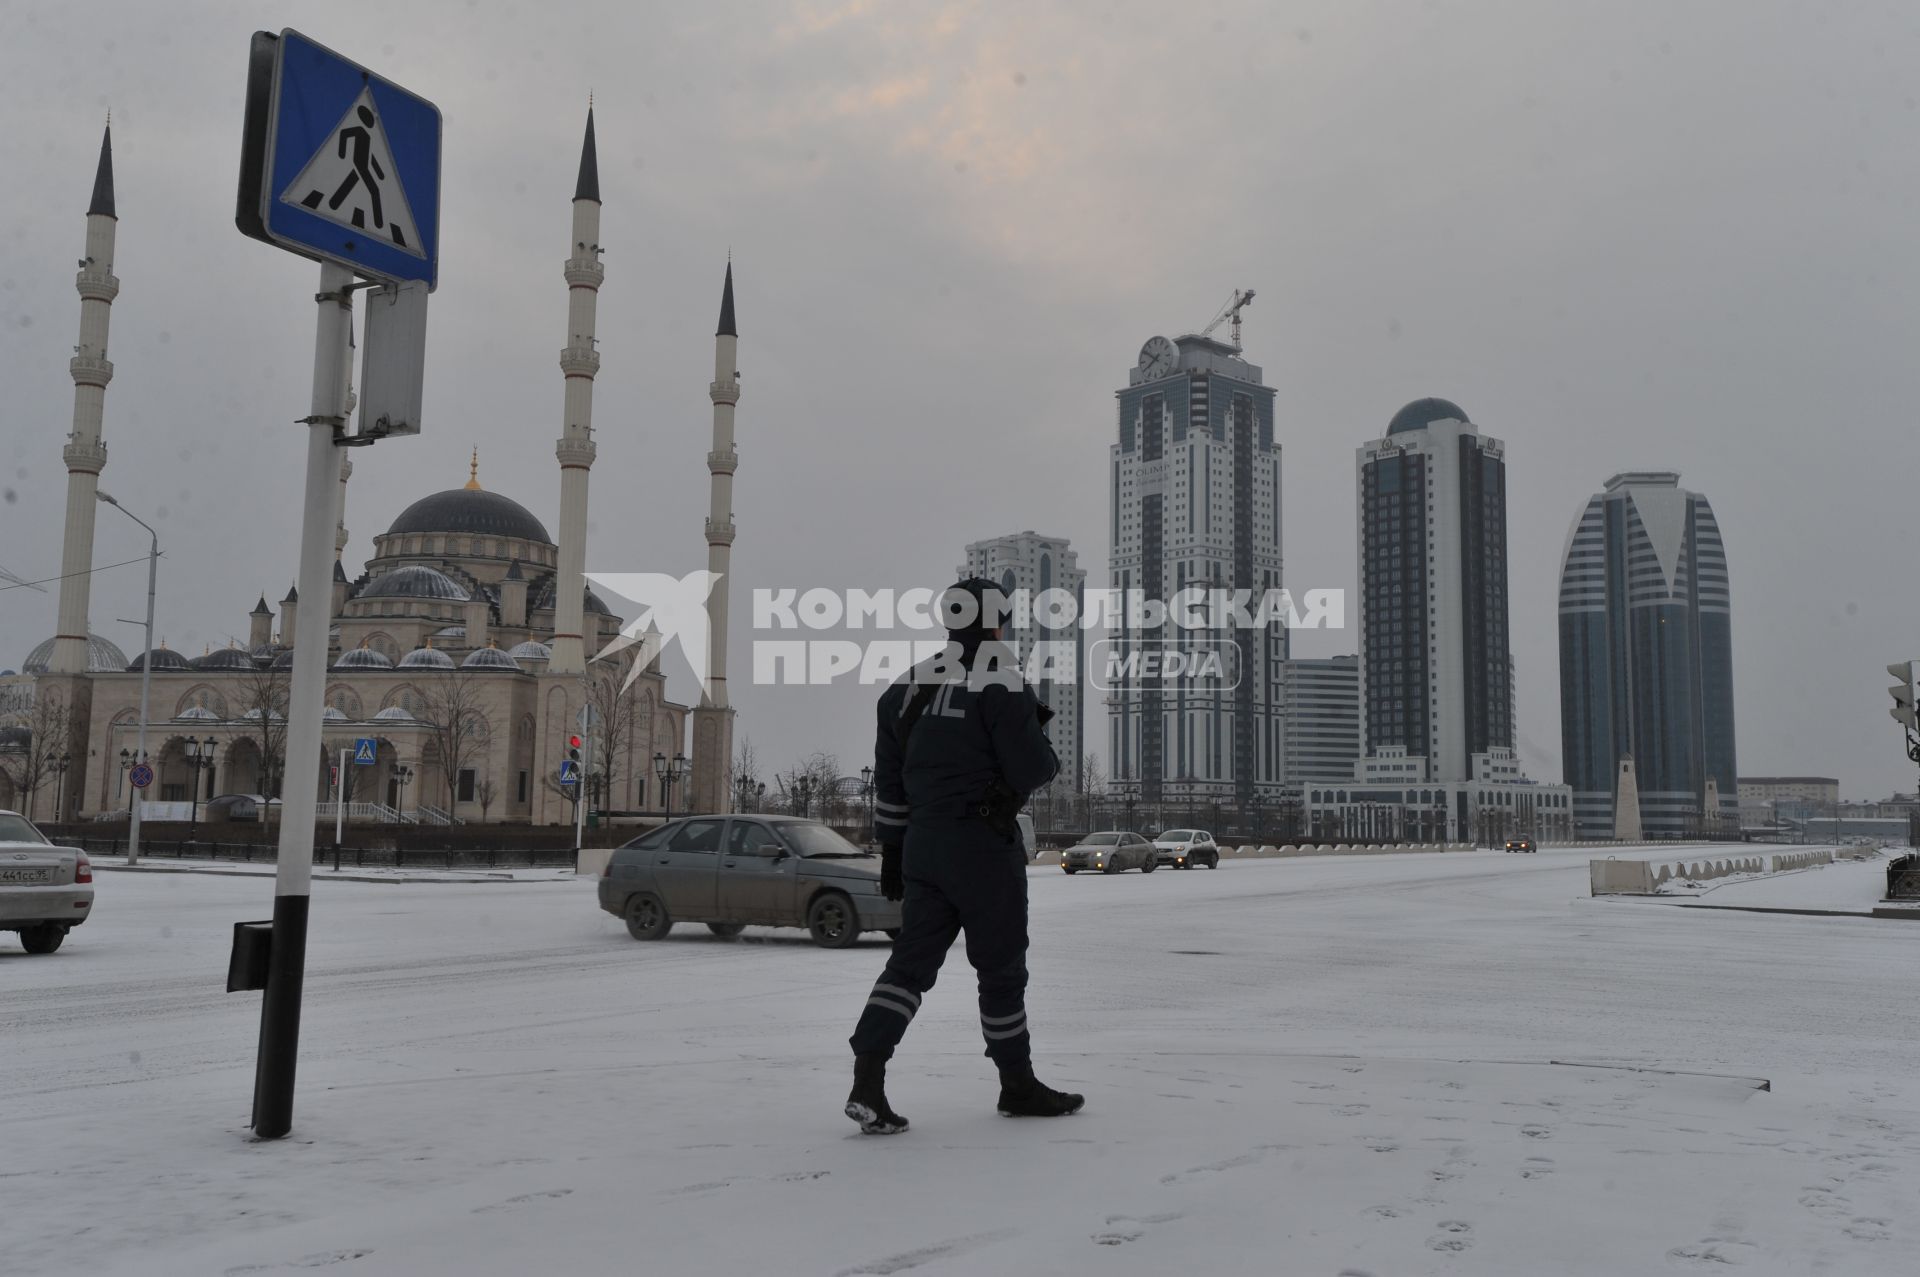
x=19, y=829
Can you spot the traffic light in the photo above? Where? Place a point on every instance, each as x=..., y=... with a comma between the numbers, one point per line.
x=573, y=749
x=1902, y=693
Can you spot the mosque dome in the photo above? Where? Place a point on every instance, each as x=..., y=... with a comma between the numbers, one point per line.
x=531, y=650
x=196, y=713
x=224, y=658
x=393, y=714
x=415, y=582
x=426, y=658
x=489, y=658
x=164, y=659
x=362, y=658
x=284, y=661
x=102, y=657
x=334, y=714
x=1422, y=413
x=543, y=600
x=473, y=511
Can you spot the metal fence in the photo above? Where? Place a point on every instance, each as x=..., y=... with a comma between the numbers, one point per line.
x=1903, y=878
x=336, y=857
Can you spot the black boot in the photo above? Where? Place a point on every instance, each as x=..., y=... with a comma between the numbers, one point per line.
x=867, y=1104
x=1024, y=1095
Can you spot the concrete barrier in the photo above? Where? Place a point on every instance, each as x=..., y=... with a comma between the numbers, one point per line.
x=1645, y=877
x=1801, y=860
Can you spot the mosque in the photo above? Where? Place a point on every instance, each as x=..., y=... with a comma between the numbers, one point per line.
x=463, y=649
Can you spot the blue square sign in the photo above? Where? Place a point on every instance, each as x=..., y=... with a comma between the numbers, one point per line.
x=338, y=163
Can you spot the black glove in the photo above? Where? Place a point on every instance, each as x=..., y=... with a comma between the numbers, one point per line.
x=892, y=885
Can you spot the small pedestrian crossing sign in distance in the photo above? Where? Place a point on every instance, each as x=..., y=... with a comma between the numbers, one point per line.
x=365, y=750
x=339, y=164
x=569, y=772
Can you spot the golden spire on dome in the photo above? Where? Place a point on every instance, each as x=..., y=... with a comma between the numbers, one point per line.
x=473, y=472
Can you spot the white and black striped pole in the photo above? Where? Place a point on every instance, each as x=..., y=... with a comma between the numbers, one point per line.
x=293, y=880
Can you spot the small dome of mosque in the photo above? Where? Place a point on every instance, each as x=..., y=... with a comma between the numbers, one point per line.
x=103, y=657
x=489, y=658
x=362, y=658
x=414, y=582
x=531, y=650
x=426, y=658
x=196, y=713
x=394, y=714
x=224, y=658
x=163, y=659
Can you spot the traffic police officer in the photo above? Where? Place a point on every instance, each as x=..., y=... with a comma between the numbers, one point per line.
x=958, y=750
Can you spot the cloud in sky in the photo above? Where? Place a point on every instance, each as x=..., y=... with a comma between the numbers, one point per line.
x=1631, y=236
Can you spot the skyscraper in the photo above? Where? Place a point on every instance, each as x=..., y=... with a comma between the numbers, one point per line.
x=1035, y=563
x=1435, y=666
x=1322, y=731
x=1646, y=658
x=1196, y=503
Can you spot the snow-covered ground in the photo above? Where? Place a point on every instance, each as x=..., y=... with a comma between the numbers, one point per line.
x=1418, y=1064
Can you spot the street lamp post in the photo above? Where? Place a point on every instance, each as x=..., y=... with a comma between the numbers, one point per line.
x=126, y=767
x=146, y=670
x=670, y=771
x=58, y=766
x=402, y=777
x=199, y=759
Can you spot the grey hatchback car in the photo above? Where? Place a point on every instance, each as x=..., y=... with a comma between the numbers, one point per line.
x=732, y=872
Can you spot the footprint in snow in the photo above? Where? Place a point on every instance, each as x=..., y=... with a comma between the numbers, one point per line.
x=1351, y=1110
x=1713, y=1252
x=1864, y=1229
x=1537, y=1132
x=549, y=1195
x=1384, y=1212
x=321, y=1260
x=1536, y=1168
x=1118, y=1238
x=1453, y=1236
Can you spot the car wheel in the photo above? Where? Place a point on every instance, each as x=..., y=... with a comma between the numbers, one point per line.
x=832, y=922
x=44, y=938
x=647, y=917
x=1110, y=868
x=1213, y=861
x=1150, y=866
x=1069, y=869
x=726, y=930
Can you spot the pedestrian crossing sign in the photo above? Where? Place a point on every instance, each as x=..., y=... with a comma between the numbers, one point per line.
x=365, y=751
x=340, y=164
x=569, y=772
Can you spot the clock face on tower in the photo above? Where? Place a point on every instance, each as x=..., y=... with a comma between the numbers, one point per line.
x=1157, y=358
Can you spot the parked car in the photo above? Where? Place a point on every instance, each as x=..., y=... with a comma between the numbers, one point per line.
x=1522, y=843
x=740, y=871
x=1110, y=851
x=45, y=891
x=1187, y=849
x=240, y=808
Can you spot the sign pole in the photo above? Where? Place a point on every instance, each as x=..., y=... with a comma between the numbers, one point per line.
x=340, y=807
x=293, y=881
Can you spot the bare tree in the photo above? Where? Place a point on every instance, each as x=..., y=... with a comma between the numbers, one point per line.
x=262, y=706
x=29, y=763
x=484, y=794
x=746, y=776
x=616, y=722
x=450, y=708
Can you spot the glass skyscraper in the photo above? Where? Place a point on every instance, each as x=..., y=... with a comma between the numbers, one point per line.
x=1436, y=671
x=1646, y=658
x=1196, y=505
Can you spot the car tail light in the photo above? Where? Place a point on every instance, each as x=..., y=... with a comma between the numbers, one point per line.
x=83, y=871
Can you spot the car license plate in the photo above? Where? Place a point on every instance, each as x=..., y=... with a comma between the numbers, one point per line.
x=26, y=875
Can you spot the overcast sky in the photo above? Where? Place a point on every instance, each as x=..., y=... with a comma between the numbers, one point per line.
x=1624, y=235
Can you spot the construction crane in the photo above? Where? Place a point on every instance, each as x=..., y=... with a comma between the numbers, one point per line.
x=1241, y=299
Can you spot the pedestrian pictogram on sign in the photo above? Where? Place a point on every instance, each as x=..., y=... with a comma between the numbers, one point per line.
x=569, y=772
x=352, y=179
x=141, y=776
x=365, y=750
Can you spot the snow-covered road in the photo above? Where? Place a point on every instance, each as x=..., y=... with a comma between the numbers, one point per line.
x=1305, y=1066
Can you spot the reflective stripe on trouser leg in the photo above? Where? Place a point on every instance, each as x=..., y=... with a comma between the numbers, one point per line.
x=928, y=925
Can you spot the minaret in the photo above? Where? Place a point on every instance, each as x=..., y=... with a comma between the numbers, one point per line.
x=579, y=361
x=85, y=454
x=713, y=720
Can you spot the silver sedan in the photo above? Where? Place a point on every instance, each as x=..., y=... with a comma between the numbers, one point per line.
x=734, y=872
x=45, y=891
